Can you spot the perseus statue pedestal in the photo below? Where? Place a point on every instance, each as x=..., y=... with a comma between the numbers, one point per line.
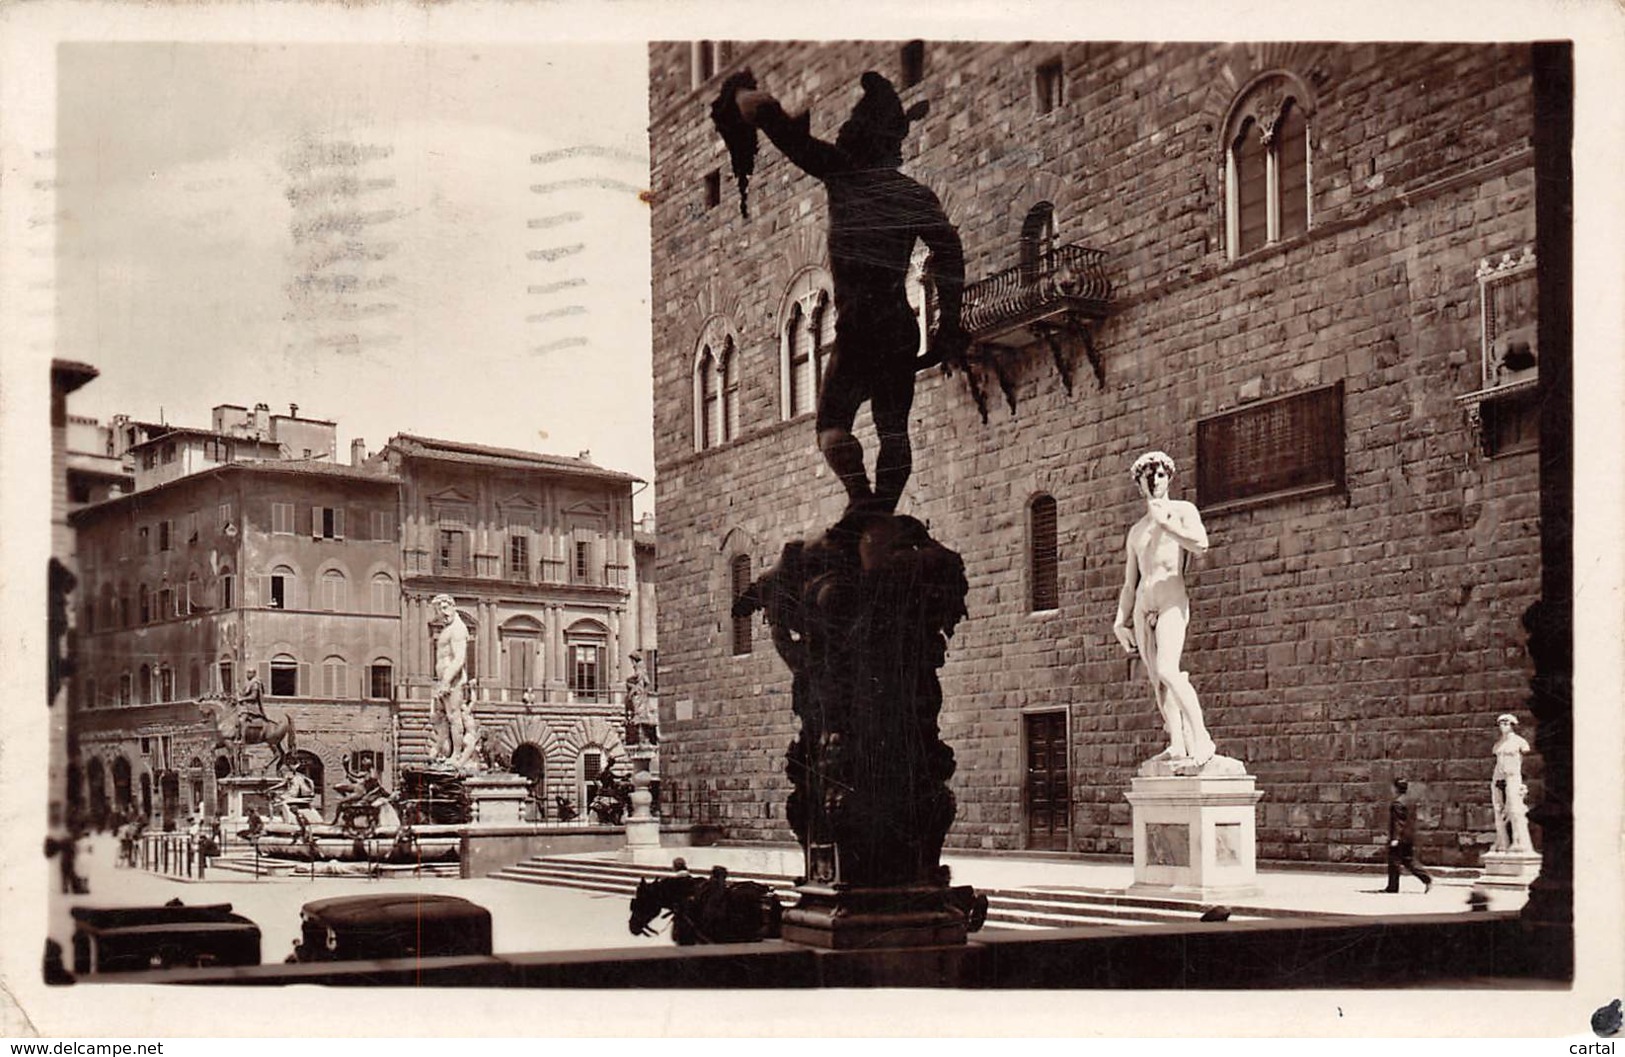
x=862, y=615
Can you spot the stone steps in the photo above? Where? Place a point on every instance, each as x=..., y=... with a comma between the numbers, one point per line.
x=1007, y=908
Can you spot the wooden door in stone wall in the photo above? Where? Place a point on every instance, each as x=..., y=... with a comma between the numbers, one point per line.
x=1048, y=783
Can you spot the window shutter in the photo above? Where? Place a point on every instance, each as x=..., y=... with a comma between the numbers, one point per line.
x=338, y=522
x=1044, y=556
x=304, y=689
x=265, y=675
x=1293, y=169
x=315, y=522
x=1252, y=193
x=740, y=569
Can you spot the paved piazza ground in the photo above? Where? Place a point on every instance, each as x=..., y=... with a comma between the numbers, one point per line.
x=523, y=917
x=527, y=917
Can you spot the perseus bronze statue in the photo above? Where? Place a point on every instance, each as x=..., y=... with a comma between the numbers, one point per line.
x=876, y=214
x=862, y=613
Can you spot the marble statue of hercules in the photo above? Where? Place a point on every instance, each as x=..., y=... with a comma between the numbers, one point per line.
x=1153, y=609
x=451, y=673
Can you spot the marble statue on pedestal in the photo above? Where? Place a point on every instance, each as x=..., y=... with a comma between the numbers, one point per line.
x=642, y=719
x=451, y=709
x=1153, y=612
x=1507, y=788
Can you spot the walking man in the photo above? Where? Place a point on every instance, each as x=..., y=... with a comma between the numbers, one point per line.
x=1153, y=610
x=1402, y=839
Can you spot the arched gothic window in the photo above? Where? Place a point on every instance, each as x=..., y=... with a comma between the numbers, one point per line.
x=806, y=335
x=798, y=342
x=716, y=386
x=709, y=433
x=728, y=371
x=1268, y=186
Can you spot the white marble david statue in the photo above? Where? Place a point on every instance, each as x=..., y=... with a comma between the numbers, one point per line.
x=1507, y=788
x=1153, y=612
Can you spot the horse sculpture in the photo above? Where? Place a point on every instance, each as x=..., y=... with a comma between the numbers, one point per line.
x=236, y=728
x=707, y=910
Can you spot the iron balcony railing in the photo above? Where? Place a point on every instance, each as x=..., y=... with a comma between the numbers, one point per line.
x=1068, y=278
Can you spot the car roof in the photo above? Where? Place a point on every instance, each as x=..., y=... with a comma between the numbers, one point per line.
x=385, y=906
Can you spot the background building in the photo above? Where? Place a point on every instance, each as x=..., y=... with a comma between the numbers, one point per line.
x=537, y=551
x=288, y=567
x=69, y=477
x=1304, y=270
x=247, y=547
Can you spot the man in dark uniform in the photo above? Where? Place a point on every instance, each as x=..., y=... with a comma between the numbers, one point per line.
x=876, y=215
x=1402, y=838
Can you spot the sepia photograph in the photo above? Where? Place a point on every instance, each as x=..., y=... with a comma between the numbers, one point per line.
x=979, y=521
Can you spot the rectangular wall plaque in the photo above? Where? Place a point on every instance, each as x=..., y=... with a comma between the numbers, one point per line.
x=1291, y=445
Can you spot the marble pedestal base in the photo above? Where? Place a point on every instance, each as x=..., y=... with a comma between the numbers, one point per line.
x=642, y=828
x=1195, y=836
x=1510, y=869
x=843, y=918
x=497, y=799
x=244, y=791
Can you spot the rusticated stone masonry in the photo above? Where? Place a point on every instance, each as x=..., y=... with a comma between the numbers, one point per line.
x=1337, y=640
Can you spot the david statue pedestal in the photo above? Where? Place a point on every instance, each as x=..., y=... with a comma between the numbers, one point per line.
x=1194, y=834
x=1195, y=831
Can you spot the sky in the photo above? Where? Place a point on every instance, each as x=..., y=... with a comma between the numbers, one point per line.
x=438, y=239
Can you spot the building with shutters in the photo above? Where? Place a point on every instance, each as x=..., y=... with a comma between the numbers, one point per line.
x=246, y=547
x=287, y=567
x=1304, y=270
x=537, y=552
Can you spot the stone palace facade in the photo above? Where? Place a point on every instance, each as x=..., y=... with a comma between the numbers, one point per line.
x=1304, y=270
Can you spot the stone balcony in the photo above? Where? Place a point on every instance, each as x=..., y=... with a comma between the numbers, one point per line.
x=1049, y=299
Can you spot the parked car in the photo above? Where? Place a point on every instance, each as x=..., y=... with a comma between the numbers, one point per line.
x=399, y=925
x=130, y=939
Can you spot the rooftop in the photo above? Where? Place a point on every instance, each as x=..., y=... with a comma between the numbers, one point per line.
x=71, y=374
x=307, y=467
x=458, y=451
x=193, y=431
